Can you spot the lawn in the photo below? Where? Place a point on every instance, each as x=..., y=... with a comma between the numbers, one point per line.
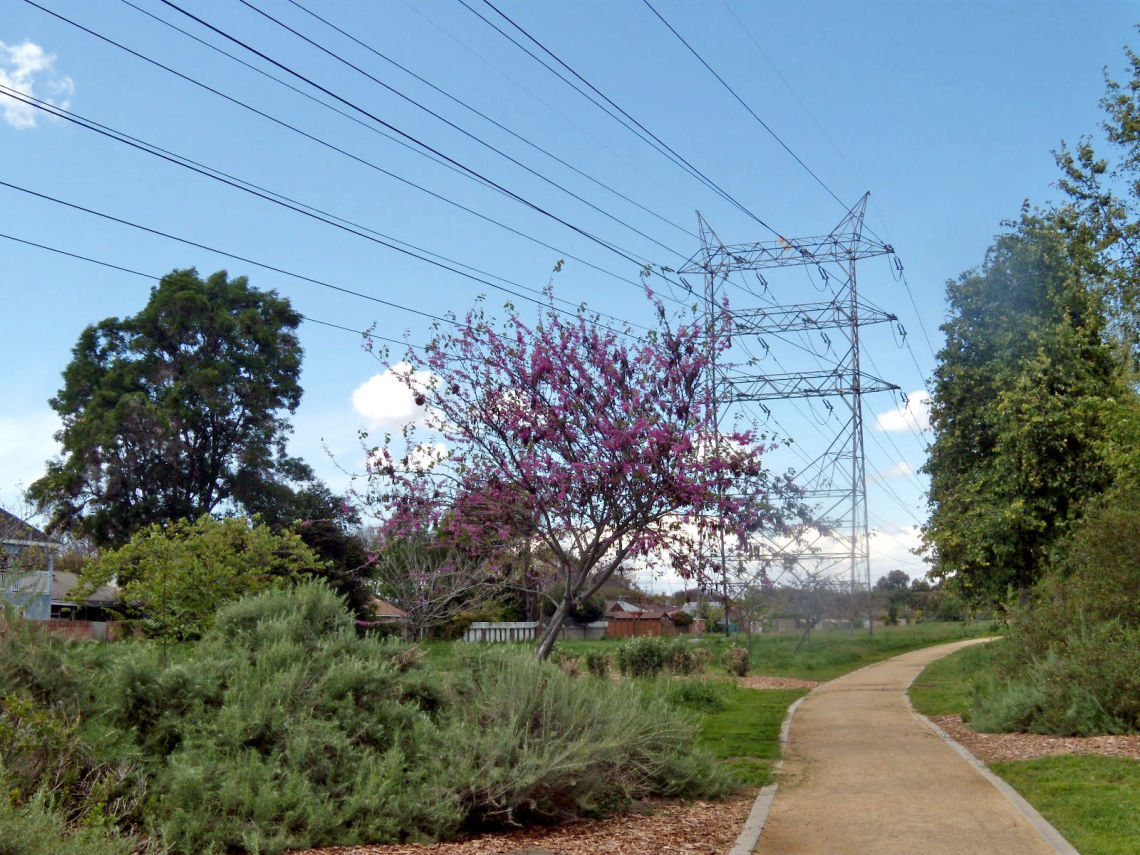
x=945, y=686
x=746, y=733
x=1093, y=801
x=825, y=654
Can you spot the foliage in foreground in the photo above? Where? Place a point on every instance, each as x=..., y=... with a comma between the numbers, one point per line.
x=283, y=729
x=36, y=829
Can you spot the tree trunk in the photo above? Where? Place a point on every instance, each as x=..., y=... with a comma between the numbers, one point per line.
x=546, y=643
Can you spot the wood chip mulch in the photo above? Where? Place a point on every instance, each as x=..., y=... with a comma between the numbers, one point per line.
x=989, y=747
x=761, y=682
x=662, y=826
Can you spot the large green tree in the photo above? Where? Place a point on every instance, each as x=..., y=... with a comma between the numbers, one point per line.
x=1024, y=394
x=176, y=411
x=1103, y=187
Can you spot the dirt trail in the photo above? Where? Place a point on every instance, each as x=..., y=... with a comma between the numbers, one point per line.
x=863, y=774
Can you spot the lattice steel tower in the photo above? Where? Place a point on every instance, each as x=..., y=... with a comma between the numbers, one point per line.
x=835, y=480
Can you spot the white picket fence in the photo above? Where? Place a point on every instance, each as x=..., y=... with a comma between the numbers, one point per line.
x=489, y=631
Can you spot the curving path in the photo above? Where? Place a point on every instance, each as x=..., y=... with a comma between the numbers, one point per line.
x=864, y=774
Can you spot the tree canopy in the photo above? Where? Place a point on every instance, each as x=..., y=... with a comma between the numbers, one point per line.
x=175, y=411
x=597, y=447
x=1023, y=396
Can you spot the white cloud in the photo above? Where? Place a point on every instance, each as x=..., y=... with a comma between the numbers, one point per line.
x=26, y=444
x=29, y=70
x=902, y=469
x=913, y=415
x=387, y=402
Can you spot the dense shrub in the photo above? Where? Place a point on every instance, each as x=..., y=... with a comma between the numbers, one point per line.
x=650, y=655
x=283, y=728
x=34, y=828
x=735, y=661
x=532, y=743
x=683, y=658
x=643, y=657
x=181, y=574
x=1071, y=664
x=598, y=663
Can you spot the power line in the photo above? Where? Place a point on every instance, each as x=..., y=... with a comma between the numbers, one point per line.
x=465, y=44
x=331, y=146
x=155, y=278
x=474, y=138
x=292, y=72
x=371, y=49
x=745, y=105
x=452, y=165
x=642, y=132
x=228, y=254
x=427, y=256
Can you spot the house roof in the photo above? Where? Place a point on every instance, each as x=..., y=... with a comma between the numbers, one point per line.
x=63, y=582
x=629, y=612
x=15, y=530
x=622, y=606
x=384, y=609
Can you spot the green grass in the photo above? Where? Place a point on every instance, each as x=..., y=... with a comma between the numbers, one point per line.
x=1093, y=801
x=946, y=686
x=825, y=655
x=746, y=733
x=832, y=653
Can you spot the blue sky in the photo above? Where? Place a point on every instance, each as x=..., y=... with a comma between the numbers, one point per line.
x=946, y=112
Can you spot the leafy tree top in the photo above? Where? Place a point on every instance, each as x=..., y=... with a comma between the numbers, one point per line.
x=177, y=577
x=172, y=412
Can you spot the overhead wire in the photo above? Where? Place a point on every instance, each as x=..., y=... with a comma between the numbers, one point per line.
x=473, y=137
x=441, y=262
x=325, y=143
x=218, y=251
x=155, y=278
x=745, y=105
x=352, y=105
x=465, y=44
x=787, y=84
x=373, y=50
x=469, y=172
x=625, y=119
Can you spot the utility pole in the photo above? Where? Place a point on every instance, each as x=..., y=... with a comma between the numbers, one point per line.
x=836, y=479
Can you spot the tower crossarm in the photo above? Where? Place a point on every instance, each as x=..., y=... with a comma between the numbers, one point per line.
x=784, y=253
x=808, y=384
x=807, y=316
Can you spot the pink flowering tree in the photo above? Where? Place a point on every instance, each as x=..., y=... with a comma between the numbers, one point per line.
x=595, y=447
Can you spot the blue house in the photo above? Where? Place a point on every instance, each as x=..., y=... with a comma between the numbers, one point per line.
x=27, y=565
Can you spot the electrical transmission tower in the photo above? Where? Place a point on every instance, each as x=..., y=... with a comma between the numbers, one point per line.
x=827, y=330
